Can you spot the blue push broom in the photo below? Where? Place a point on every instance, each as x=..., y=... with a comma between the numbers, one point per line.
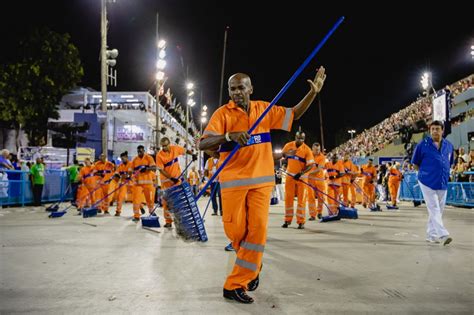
x=152, y=220
x=343, y=211
x=181, y=199
x=92, y=210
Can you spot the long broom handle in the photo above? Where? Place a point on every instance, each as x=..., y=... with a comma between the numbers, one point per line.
x=276, y=99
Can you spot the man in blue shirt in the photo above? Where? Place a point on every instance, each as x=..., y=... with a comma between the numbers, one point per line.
x=433, y=158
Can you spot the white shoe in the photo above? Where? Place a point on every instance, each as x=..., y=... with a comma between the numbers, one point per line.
x=431, y=239
x=445, y=240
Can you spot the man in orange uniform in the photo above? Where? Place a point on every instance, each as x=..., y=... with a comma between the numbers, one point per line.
x=122, y=176
x=248, y=179
x=193, y=179
x=334, y=173
x=167, y=163
x=316, y=179
x=146, y=167
x=87, y=194
x=350, y=172
x=394, y=179
x=370, y=174
x=105, y=170
x=300, y=161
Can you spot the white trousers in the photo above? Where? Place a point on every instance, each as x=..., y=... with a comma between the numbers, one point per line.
x=435, y=201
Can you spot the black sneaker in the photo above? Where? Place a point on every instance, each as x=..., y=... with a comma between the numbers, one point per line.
x=253, y=285
x=167, y=225
x=312, y=219
x=214, y=213
x=301, y=226
x=117, y=214
x=136, y=219
x=320, y=215
x=238, y=295
x=142, y=211
x=106, y=212
x=285, y=225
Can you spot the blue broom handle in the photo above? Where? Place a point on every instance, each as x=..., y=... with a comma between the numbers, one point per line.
x=273, y=102
x=110, y=193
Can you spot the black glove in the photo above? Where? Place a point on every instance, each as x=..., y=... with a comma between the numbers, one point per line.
x=352, y=181
x=174, y=180
x=144, y=169
x=116, y=176
x=297, y=176
x=332, y=177
x=195, y=157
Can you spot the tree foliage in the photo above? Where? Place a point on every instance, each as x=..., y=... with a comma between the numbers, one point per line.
x=31, y=88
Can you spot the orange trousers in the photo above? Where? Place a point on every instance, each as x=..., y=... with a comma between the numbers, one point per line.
x=166, y=212
x=393, y=186
x=314, y=208
x=295, y=188
x=121, y=195
x=369, y=190
x=346, y=189
x=104, y=191
x=86, y=196
x=138, y=192
x=333, y=195
x=245, y=223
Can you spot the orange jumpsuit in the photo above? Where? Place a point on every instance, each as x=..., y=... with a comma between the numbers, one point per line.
x=394, y=180
x=107, y=169
x=296, y=164
x=247, y=182
x=88, y=192
x=123, y=170
x=143, y=184
x=168, y=161
x=334, y=185
x=317, y=179
x=350, y=172
x=370, y=174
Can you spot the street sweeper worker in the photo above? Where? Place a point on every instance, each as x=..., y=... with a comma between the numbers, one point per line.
x=300, y=161
x=144, y=169
x=248, y=179
x=123, y=179
x=105, y=170
x=350, y=173
x=394, y=179
x=193, y=179
x=316, y=178
x=87, y=193
x=334, y=174
x=370, y=174
x=211, y=166
x=167, y=163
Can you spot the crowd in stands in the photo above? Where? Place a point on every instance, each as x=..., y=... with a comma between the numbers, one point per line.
x=378, y=137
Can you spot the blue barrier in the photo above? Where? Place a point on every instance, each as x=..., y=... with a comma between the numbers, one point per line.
x=459, y=193
x=16, y=188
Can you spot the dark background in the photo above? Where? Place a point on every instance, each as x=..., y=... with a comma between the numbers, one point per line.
x=374, y=61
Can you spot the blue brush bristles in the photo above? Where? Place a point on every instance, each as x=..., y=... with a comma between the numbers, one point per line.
x=183, y=207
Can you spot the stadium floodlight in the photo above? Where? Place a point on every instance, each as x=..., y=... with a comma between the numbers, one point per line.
x=277, y=151
x=425, y=81
x=189, y=85
x=161, y=64
x=203, y=114
x=204, y=108
x=191, y=93
x=160, y=75
x=161, y=44
x=162, y=54
x=352, y=132
x=203, y=120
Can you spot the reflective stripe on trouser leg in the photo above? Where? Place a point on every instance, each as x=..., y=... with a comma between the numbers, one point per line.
x=122, y=192
x=333, y=192
x=245, y=222
x=311, y=199
x=352, y=199
x=105, y=202
x=345, y=194
x=301, y=191
x=320, y=185
x=290, y=191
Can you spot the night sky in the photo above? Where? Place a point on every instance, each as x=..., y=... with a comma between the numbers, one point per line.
x=373, y=62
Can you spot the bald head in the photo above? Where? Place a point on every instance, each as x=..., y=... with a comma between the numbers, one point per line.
x=240, y=89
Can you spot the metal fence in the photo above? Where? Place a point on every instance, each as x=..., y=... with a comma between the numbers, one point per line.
x=459, y=193
x=16, y=187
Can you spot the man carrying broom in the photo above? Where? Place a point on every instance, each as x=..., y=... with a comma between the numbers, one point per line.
x=248, y=179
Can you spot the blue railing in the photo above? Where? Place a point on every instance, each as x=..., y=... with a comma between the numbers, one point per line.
x=16, y=188
x=459, y=193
